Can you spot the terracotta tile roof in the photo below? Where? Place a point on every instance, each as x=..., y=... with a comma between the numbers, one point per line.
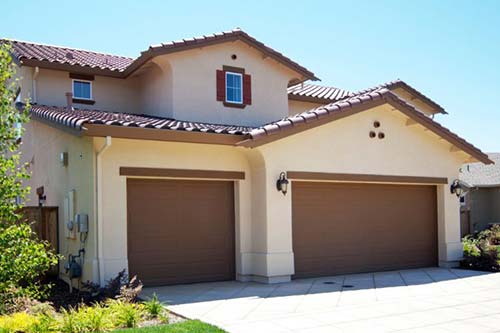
x=235, y=34
x=64, y=58
x=316, y=93
x=481, y=175
x=68, y=56
x=77, y=118
x=357, y=103
x=324, y=94
x=401, y=84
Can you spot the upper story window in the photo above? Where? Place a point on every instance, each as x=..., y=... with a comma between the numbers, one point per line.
x=234, y=87
x=82, y=89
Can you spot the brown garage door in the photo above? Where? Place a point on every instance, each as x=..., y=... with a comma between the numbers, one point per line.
x=180, y=231
x=343, y=228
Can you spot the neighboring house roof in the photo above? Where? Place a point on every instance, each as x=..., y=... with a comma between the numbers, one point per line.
x=323, y=94
x=248, y=136
x=88, y=62
x=317, y=94
x=481, y=175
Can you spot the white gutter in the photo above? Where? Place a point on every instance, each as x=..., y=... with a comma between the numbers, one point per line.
x=98, y=210
x=36, y=72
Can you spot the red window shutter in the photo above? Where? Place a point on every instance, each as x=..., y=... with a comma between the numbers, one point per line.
x=221, y=85
x=247, y=89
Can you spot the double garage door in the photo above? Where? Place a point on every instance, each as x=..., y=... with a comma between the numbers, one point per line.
x=182, y=231
x=341, y=228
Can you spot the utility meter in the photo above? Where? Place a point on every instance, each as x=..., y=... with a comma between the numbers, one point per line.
x=82, y=223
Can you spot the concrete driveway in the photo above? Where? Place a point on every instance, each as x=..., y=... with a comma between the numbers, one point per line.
x=423, y=300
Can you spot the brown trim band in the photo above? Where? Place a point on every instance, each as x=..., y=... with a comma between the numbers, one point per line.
x=233, y=69
x=181, y=173
x=126, y=132
x=346, y=177
x=77, y=76
x=83, y=101
x=234, y=105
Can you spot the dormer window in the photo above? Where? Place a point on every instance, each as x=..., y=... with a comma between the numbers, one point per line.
x=82, y=89
x=234, y=87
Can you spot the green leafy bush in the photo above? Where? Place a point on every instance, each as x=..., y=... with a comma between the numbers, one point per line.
x=24, y=259
x=17, y=322
x=69, y=321
x=154, y=307
x=94, y=319
x=125, y=314
x=482, y=250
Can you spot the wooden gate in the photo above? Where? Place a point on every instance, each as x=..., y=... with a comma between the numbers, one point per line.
x=44, y=222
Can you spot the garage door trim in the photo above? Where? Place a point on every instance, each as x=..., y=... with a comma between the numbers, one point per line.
x=364, y=178
x=181, y=173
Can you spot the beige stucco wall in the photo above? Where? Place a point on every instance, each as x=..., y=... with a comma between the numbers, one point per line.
x=134, y=153
x=295, y=107
x=344, y=146
x=109, y=94
x=194, y=84
x=41, y=147
x=264, y=249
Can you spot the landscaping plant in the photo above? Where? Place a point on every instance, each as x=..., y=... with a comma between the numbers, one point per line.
x=482, y=250
x=24, y=258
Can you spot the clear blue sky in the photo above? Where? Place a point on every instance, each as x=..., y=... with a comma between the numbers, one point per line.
x=449, y=50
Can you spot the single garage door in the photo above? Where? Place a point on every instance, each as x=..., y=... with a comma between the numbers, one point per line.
x=341, y=228
x=180, y=231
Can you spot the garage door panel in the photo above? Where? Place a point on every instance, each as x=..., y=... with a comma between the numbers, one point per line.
x=180, y=231
x=343, y=228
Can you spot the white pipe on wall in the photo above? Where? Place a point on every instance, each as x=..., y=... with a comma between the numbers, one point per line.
x=98, y=210
x=36, y=72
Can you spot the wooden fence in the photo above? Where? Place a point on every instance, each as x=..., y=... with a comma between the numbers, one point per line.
x=44, y=222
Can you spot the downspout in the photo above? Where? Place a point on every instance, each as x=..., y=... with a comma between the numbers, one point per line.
x=98, y=214
x=36, y=72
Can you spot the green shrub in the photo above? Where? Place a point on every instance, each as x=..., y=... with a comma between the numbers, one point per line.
x=482, y=250
x=93, y=319
x=17, y=322
x=45, y=323
x=154, y=307
x=69, y=321
x=24, y=259
x=125, y=314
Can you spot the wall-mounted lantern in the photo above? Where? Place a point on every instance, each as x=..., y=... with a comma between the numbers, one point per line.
x=282, y=183
x=458, y=188
x=41, y=196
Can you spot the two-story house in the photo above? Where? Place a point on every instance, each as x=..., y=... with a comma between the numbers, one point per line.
x=213, y=158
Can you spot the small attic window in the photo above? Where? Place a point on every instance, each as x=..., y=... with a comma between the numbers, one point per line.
x=234, y=87
x=82, y=89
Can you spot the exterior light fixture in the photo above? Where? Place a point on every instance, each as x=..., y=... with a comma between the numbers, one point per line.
x=282, y=183
x=458, y=188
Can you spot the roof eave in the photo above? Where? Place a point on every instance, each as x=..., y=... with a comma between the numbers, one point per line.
x=322, y=116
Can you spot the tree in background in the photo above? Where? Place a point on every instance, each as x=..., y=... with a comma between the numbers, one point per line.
x=12, y=172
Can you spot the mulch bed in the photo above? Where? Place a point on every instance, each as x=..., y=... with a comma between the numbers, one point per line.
x=60, y=297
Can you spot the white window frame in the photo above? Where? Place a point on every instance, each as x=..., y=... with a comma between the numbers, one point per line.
x=73, y=89
x=225, y=87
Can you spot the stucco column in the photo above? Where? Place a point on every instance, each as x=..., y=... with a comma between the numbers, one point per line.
x=271, y=256
x=450, y=244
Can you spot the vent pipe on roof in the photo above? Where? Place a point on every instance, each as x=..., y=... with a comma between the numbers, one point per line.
x=69, y=101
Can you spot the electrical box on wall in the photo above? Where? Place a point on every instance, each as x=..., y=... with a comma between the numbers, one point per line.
x=82, y=223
